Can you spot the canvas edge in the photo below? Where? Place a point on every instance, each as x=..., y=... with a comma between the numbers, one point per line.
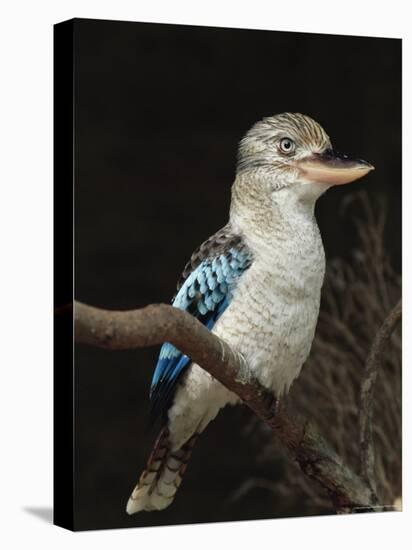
x=63, y=175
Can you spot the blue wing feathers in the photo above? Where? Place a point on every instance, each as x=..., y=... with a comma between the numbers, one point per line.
x=205, y=293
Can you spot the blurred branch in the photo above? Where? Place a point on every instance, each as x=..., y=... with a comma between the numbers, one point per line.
x=160, y=323
x=373, y=364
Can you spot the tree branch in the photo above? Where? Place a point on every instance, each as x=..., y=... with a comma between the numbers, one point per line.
x=373, y=364
x=160, y=323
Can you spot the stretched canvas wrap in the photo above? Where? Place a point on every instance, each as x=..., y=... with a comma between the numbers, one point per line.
x=227, y=274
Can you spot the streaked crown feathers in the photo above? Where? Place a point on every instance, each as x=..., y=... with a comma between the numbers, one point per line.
x=258, y=148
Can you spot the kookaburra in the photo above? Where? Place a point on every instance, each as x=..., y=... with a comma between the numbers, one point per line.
x=255, y=283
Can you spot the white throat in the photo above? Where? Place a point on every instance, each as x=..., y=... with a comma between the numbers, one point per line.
x=269, y=214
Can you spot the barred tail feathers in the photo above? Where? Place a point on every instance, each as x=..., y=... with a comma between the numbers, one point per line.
x=163, y=475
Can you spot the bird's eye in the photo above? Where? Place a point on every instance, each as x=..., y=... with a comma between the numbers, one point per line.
x=287, y=146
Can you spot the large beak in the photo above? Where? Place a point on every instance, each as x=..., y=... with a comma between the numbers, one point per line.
x=332, y=168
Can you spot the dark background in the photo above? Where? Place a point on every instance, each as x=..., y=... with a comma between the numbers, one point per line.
x=159, y=111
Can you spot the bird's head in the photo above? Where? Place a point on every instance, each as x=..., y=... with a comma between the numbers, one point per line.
x=291, y=150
